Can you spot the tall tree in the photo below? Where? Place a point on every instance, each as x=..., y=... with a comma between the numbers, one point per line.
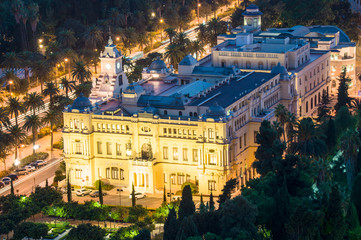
x=52, y=118
x=281, y=212
x=133, y=196
x=186, y=207
x=16, y=135
x=15, y=107
x=334, y=226
x=270, y=149
x=33, y=123
x=171, y=225
x=100, y=193
x=51, y=90
x=227, y=191
x=68, y=188
x=349, y=144
x=81, y=72
x=33, y=101
x=187, y=229
x=211, y=203
x=67, y=85
x=342, y=96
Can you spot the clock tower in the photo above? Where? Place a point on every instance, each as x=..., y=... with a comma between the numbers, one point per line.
x=112, y=80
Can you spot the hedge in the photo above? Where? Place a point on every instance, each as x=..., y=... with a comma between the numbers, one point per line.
x=51, y=236
x=31, y=158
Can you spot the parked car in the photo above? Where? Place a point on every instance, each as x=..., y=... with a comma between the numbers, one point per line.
x=82, y=192
x=138, y=195
x=177, y=198
x=6, y=180
x=30, y=168
x=2, y=184
x=21, y=171
x=13, y=176
x=96, y=194
x=168, y=194
x=39, y=163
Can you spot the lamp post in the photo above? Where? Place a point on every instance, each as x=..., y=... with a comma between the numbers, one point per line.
x=170, y=187
x=119, y=190
x=66, y=61
x=36, y=147
x=16, y=163
x=161, y=27
x=198, y=5
x=10, y=83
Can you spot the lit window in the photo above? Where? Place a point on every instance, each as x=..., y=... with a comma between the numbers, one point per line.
x=195, y=155
x=172, y=177
x=212, y=158
x=78, y=173
x=165, y=152
x=99, y=147
x=210, y=133
x=185, y=154
x=78, y=148
x=109, y=148
x=180, y=179
x=175, y=153
x=211, y=185
x=107, y=173
x=118, y=149
x=115, y=173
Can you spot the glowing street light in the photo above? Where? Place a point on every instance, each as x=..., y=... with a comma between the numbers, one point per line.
x=40, y=40
x=36, y=147
x=153, y=14
x=67, y=60
x=10, y=83
x=118, y=38
x=16, y=162
x=161, y=25
x=198, y=6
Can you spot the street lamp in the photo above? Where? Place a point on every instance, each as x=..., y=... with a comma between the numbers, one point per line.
x=198, y=6
x=153, y=14
x=16, y=163
x=36, y=147
x=66, y=60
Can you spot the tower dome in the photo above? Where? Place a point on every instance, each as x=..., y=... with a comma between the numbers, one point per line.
x=81, y=103
x=157, y=65
x=252, y=18
x=281, y=70
x=215, y=111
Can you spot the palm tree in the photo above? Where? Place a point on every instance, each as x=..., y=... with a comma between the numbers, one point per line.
x=281, y=115
x=93, y=37
x=67, y=85
x=202, y=33
x=66, y=38
x=182, y=41
x=349, y=144
x=83, y=88
x=51, y=90
x=310, y=139
x=4, y=146
x=33, y=123
x=9, y=78
x=115, y=17
x=16, y=136
x=21, y=86
x=11, y=61
x=174, y=55
x=170, y=33
x=4, y=116
x=196, y=47
x=43, y=72
x=81, y=72
x=215, y=27
x=142, y=40
x=52, y=118
x=15, y=107
x=33, y=101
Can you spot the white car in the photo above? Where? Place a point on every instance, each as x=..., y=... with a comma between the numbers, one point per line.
x=138, y=195
x=30, y=168
x=39, y=163
x=82, y=192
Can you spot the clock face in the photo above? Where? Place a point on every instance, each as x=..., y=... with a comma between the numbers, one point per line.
x=108, y=66
x=118, y=65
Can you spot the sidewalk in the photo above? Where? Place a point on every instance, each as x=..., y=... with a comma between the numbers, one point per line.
x=27, y=150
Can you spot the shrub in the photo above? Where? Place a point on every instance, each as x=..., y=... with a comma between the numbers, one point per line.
x=44, y=132
x=29, y=229
x=106, y=187
x=51, y=235
x=58, y=230
x=4, y=173
x=31, y=158
x=59, y=144
x=86, y=231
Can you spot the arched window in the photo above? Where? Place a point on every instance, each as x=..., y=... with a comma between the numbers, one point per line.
x=180, y=113
x=306, y=107
x=165, y=112
x=235, y=63
x=223, y=64
x=195, y=114
x=315, y=100
x=260, y=65
x=311, y=103
x=191, y=114
x=248, y=64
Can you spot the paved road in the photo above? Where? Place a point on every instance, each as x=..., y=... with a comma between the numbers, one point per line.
x=25, y=184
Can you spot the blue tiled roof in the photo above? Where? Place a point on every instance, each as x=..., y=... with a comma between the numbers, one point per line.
x=332, y=30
